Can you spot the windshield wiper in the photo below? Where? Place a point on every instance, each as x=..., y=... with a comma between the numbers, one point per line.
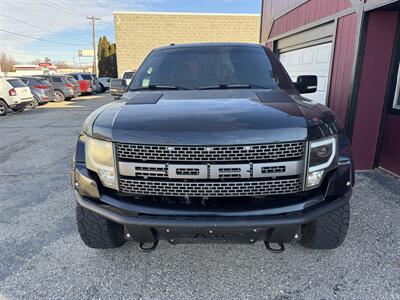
x=223, y=86
x=154, y=87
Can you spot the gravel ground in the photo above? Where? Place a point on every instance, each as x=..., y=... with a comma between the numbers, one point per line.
x=42, y=256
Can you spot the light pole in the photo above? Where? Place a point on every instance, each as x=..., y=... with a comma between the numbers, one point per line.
x=94, y=19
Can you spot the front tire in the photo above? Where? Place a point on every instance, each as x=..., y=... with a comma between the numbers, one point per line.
x=98, y=232
x=102, y=88
x=60, y=97
x=328, y=231
x=3, y=108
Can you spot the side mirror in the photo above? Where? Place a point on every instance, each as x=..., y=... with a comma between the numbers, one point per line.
x=118, y=87
x=306, y=84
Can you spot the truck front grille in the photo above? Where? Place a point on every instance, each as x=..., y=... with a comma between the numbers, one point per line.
x=261, y=152
x=212, y=188
x=211, y=171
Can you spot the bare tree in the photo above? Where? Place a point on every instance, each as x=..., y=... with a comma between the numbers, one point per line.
x=36, y=61
x=7, y=62
x=62, y=65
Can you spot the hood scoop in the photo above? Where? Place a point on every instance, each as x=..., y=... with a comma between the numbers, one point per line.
x=274, y=96
x=144, y=98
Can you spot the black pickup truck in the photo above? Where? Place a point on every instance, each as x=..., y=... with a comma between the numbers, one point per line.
x=213, y=143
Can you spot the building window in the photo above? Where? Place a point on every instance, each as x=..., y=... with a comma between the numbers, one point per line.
x=396, y=101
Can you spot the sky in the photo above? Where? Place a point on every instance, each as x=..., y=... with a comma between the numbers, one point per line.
x=35, y=29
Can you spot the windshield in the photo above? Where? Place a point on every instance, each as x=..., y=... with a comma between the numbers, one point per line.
x=209, y=67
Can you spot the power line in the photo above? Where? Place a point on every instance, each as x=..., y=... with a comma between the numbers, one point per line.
x=32, y=14
x=69, y=8
x=37, y=26
x=62, y=8
x=40, y=39
x=103, y=26
x=30, y=24
x=34, y=25
x=107, y=28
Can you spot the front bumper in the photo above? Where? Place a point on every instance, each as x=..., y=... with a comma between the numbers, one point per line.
x=86, y=91
x=68, y=93
x=76, y=93
x=280, y=228
x=272, y=224
x=51, y=97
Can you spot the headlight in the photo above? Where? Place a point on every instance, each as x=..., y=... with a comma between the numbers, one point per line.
x=321, y=156
x=100, y=159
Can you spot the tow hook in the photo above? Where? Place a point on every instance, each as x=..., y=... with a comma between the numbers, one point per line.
x=152, y=247
x=280, y=249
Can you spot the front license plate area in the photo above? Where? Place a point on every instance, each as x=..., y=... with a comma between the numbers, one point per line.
x=180, y=236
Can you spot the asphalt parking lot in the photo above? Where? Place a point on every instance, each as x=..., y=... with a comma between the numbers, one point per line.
x=42, y=256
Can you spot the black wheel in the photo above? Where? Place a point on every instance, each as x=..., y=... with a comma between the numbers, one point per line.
x=98, y=232
x=3, y=108
x=33, y=104
x=327, y=232
x=102, y=89
x=60, y=97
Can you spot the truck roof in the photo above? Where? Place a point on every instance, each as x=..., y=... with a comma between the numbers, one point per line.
x=195, y=45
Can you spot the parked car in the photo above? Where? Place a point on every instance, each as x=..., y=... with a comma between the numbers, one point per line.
x=14, y=95
x=213, y=143
x=63, y=88
x=105, y=83
x=128, y=76
x=96, y=87
x=41, y=89
x=85, y=87
x=76, y=86
x=118, y=87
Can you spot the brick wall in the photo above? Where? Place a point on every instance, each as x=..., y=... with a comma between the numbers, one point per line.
x=138, y=33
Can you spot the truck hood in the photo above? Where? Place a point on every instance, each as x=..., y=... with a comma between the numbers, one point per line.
x=214, y=117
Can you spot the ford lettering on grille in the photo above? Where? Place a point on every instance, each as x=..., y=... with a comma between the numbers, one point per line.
x=210, y=171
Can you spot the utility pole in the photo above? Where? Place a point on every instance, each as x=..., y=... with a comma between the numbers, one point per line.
x=94, y=19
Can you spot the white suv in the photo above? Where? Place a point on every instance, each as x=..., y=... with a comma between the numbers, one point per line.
x=14, y=95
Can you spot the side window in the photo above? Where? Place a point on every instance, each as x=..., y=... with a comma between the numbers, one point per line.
x=396, y=100
x=16, y=83
x=76, y=77
x=25, y=81
x=56, y=79
x=87, y=77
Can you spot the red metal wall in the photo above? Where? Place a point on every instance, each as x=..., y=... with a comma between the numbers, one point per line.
x=270, y=8
x=390, y=156
x=310, y=11
x=342, y=67
x=373, y=83
x=343, y=63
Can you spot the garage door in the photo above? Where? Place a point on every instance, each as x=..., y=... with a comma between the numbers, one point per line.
x=313, y=60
